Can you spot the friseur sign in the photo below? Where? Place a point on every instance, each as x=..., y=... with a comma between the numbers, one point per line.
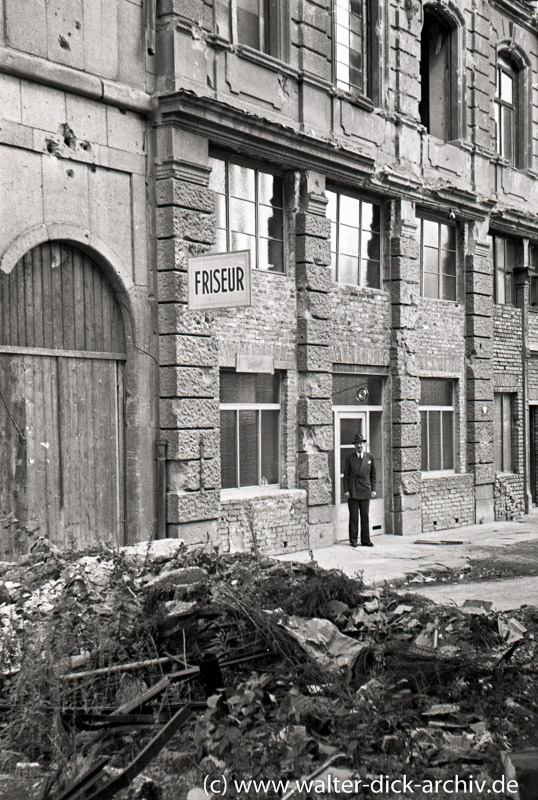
x=219, y=280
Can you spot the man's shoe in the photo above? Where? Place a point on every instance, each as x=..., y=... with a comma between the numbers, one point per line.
x=367, y=544
x=353, y=544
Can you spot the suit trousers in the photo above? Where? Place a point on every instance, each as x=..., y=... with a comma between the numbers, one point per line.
x=355, y=507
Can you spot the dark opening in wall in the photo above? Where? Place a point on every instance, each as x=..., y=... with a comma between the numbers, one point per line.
x=436, y=76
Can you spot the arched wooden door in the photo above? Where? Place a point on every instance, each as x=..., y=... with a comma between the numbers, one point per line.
x=62, y=352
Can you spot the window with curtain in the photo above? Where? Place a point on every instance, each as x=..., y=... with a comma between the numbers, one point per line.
x=439, y=260
x=249, y=429
x=504, y=432
x=250, y=212
x=437, y=424
x=356, y=240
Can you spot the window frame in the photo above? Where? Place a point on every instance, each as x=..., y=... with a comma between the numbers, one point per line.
x=228, y=159
x=440, y=273
x=506, y=66
x=370, y=89
x=503, y=399
x=258, y=407
x=335, y=252
x=533, y=276
x=497, y=270
x=427, y=409
x=452, y=25
x=513, y=61
x=275, y=34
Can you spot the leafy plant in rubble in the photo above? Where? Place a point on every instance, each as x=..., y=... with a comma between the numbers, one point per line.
x=257, y=735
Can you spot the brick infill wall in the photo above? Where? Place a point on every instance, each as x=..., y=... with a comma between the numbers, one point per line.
x=447, y=502
x=509, y=497
x=272, y=524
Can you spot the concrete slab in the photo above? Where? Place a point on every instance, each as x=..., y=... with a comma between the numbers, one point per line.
x=506, y=595
x=395, y=558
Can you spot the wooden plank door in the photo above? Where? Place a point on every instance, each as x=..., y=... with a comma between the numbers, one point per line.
x=61, y=403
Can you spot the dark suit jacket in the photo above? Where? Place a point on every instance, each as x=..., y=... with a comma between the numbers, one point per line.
x=360, y=478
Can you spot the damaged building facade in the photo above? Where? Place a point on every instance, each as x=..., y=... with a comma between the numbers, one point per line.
x=377, y=160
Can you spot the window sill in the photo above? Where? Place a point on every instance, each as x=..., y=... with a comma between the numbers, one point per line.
x=250, y=492
x=265, y=60
x=360, y=290
x=354, y=98
x=441, y=300
x=440, y=473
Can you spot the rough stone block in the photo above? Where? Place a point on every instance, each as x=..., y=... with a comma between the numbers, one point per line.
x=313, y=358
x=404, y=316
x=480, y=390
x=484, y=473
x=407, y=523
x=173, y=192
x=480, y=411
x=189, y=476
x=195, y=533
x=321, y=535
x=315, y=385
x=406, y=482
x=313, y=465
x=479, y=326
x=405, y=388
x=172, y=287
x=318, y=492
x=405, y=412
x=480, y=432
x=407, y=502
x=405, y=247
x=313, y=276
x=314, y=411
x=406, y=458
x=188, y=382
x=176, y=318
x=192, y=506
x=407, y=435
x=313, y=225
x=480, y=453
x=309, y=249
x=315, y=65
x=196, y=351
x=313, y=331
x=190, y=225
x=189, y=413
x=479, y=368
x=479, y=274
x=320, y=515
x=315, y=439
x=479, y=304
x=185, y=444
x=314, y=304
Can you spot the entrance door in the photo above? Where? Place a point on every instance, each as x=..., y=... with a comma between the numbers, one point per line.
x=533, y=452
x=61, y=403
x=347, y=424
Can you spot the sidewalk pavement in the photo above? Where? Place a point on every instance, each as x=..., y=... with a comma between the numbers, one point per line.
x=394, y=559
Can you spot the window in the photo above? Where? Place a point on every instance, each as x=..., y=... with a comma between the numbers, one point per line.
x=351, y=27
x=503, y=432
x=533, y=275
x=437, y=107
x=506, y=104
x=249, y=212
x=255, y=23
x=437, y=424
x=439, y=260
x=504, y=261
x=355, y=240
x=249, y=429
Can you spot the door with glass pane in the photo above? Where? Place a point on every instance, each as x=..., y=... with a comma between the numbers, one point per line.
x=347, y=424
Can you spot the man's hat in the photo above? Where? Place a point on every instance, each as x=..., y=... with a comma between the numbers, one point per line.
x=359, y=438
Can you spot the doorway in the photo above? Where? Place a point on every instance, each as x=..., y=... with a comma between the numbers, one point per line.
x=347, y=424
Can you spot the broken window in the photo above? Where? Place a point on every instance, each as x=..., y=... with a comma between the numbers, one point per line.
x=351, y=45
x=437, y=424
x=355, y=239
x=439, y=260
x=438, y=112
x=506, y=101
x=504, y=407
x=249, y=429
x=504, y=261
x=254, y=23
x=250, y=212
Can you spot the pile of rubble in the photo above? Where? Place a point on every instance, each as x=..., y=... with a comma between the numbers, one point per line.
x=152, y=672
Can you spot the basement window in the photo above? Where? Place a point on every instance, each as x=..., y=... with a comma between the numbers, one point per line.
x=438, y=105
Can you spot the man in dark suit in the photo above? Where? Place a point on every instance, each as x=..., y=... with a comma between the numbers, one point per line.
x=360, y=483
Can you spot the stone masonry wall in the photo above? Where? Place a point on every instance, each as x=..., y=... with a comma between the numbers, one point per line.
x=447, y=502
x=272, y=524
x=509, y=497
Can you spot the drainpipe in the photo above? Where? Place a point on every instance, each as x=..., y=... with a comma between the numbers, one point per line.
x=522, y=299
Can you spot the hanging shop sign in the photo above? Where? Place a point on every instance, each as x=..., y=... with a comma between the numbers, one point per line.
x=219, y=280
